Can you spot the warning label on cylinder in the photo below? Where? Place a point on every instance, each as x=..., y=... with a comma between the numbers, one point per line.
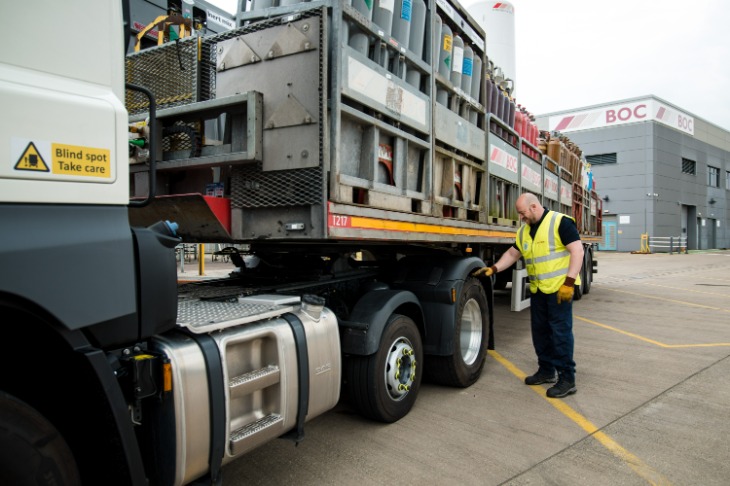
x=80, y=161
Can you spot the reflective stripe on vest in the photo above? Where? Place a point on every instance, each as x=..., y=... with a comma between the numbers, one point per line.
x=546, y=258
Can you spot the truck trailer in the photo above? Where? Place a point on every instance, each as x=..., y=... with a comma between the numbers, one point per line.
x=358, y=177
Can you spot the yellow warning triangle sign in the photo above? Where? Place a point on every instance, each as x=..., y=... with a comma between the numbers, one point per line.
x=31, y=160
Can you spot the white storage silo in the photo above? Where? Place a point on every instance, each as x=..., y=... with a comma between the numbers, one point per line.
x=498, y=21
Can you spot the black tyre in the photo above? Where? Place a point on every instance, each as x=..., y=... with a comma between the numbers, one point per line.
x=39, y=455
x=471, y=333
x=587, y=273
x=578, y=291
x=384, y=386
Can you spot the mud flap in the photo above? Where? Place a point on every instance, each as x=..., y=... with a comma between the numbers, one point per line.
x=520, y=290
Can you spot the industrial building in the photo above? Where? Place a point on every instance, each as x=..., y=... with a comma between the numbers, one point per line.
x=659, y=169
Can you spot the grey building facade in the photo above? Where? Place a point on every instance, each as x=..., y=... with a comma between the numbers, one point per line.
x=660, y=171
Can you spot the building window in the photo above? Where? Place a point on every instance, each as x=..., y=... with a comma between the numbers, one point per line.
x=713, y=176
x=689, y=166
x=727, y=180
x=601, y=159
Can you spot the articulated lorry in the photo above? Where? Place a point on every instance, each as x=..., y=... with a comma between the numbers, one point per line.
x=363, y=181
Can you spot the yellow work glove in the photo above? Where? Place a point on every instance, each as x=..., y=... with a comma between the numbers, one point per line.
x=486, y=271
x=565, y=292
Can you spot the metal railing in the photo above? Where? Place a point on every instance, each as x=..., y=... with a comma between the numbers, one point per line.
x=668, y=244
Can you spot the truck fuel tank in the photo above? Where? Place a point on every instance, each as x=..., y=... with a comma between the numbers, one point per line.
x=260, y=366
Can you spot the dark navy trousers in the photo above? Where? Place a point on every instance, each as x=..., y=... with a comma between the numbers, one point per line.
x=552, y=334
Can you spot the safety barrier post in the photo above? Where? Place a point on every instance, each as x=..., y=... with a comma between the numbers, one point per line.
x=645, y=243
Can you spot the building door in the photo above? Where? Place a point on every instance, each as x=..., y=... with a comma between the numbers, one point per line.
x=701, y=234
x=690, y=230
x=711, y=233
x=609, y=236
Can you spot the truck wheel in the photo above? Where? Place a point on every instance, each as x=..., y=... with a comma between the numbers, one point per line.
x=464, y=367
x=587, y=273
x=40, y=455
x=384, y=386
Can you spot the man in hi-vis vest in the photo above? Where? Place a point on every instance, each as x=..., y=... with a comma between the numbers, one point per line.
x=553, y=253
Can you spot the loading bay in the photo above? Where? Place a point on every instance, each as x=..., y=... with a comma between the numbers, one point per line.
x=653, y=402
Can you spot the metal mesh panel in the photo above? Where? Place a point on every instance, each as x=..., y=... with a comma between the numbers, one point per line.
x=170, y=71
x=253, y=188
x=181, y=136
x=209, y=56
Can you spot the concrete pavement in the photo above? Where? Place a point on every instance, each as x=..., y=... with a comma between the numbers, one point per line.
x=653, y=401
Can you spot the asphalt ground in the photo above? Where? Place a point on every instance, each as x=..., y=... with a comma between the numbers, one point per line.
x=652, y=407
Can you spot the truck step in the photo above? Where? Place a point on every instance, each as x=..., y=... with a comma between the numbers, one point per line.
x=255, y=380
x=271, y=423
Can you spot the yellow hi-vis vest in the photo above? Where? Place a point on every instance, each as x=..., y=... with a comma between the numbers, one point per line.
x=546, y=258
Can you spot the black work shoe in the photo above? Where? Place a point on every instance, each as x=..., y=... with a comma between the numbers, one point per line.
x=562, y=389
x=541, y=377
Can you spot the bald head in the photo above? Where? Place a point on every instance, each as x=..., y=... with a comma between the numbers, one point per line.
x=529, y=208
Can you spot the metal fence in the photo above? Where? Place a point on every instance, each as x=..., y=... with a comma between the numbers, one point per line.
x=668, y=244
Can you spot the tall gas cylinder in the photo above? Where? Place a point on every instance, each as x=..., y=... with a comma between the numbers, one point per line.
x=359, y=40
x=511, y=112
x=402, y=25
x=457, y=60
x=519, y=122
x=476, y=86
x=488, y=92
x=445, y=48
x=418, y=32
x=402, y=16
x=383, y=18
x=502, y=109
x=457, y=64
x=467, y=67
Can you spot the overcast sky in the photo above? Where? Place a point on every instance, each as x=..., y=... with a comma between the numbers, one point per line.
x=618, y=49
x=575, y=53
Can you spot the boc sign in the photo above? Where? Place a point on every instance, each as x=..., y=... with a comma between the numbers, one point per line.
x=633, y=112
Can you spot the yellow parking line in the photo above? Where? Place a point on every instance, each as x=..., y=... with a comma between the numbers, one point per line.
x=651, y=341
x=636, y=464
x=688, y=290
x=721, y=309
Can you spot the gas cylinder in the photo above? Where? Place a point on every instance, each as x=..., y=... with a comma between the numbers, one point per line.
x=496, y=103
x=542, y=144
x=402, y=32
x=488, y=93
x=467, y=68
x=457, y=61
x=519, y=121
x=476, y=85
x=359, y=40
x=418, y=31
x=402, y=22
x=444, y=70
x=511, y=107
x=383, y=18
x=553, y=149
x=383, y=15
